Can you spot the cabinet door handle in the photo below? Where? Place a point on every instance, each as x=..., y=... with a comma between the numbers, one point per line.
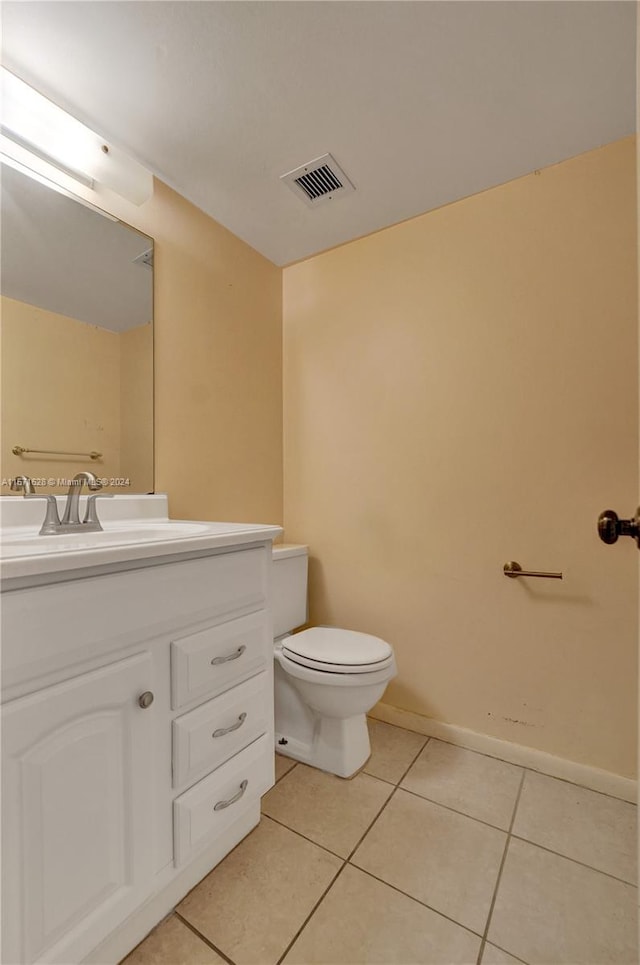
x=230, y=656
x=221, y=731
x=146, y=699
x=232, y=800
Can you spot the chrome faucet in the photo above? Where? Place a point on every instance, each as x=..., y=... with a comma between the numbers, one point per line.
x=72, y=508
x=52, y=525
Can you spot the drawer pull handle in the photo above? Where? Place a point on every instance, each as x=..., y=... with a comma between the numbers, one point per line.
x=221, y=731
x=232, y=800
x=230, y=656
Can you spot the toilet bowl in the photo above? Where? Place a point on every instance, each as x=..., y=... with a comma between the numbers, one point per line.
x=326, y=678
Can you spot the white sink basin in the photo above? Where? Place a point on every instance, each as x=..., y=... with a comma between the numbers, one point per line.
x=136, y=529
x=34, y=544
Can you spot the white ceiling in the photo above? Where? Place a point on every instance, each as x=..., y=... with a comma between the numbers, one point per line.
x=421, y=103
x=62, y=256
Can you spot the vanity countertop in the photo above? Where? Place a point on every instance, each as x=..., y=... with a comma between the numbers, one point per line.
x=135, y=528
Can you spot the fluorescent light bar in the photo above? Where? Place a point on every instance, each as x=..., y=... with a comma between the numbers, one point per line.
x=31, y=124
x=29, y=149
x=53, y=185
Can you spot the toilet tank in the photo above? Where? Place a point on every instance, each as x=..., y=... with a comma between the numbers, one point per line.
x=289, y=587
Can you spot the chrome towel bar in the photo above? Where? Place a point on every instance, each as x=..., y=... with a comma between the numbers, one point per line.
x=20, y=451
x=513, y=570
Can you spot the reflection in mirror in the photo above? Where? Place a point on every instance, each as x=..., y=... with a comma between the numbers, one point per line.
x=77, y=341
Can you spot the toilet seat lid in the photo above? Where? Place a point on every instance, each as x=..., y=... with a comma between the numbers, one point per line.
x=345, y=651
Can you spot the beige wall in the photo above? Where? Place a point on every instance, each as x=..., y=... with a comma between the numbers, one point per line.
x=60, y=390
x=217, y=363
x=136, y=405
x=461, y=390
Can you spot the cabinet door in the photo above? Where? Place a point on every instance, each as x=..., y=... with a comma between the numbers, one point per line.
x=77, y=817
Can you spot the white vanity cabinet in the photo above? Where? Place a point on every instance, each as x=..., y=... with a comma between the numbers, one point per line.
x=116, y=804
x=77, y=793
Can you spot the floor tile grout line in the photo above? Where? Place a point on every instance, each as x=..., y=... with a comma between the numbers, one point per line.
x=292, y=768
x=361, y=839
x=363, y=870
x=284, y=776
x=363, y=836
x=322, y=847
x=524, y=767
x=204, y=938
x=492, y=757
x=413, y=762
x=521, y=767
x=418, y=901
x=312, y=912
x=148, y=935
x=520, y=961
x=371, y=824
x=465, y=814
x=385, y=780
x=377, y=778
x=583, y=864
x=387, y=883
x=500, y=870
x=488, y=824
x=344, y=860
x=583, y=787
x=447, y=807
x=236, y=846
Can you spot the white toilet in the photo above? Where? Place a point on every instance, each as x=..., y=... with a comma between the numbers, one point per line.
x=326, y=679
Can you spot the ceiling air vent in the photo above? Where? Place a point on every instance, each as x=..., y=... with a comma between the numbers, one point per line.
x=318, y=181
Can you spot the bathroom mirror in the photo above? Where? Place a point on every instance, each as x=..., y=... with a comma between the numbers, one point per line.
x=76, y=339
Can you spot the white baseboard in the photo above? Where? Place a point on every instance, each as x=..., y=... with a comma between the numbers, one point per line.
x=594, y=778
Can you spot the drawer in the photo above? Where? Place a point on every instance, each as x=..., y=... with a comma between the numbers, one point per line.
x=203, y=813
x=208, y=662
x=208, y=736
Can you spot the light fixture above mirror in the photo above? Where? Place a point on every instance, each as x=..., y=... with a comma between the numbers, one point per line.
x=45, y=142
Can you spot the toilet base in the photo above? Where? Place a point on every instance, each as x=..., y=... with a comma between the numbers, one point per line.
x=339, y=746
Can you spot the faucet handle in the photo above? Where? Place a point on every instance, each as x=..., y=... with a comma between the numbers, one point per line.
x=51, y=520
x=22, y=483
x=91, y=514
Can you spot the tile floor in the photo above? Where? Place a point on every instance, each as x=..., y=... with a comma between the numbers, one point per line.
x=433, y=854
